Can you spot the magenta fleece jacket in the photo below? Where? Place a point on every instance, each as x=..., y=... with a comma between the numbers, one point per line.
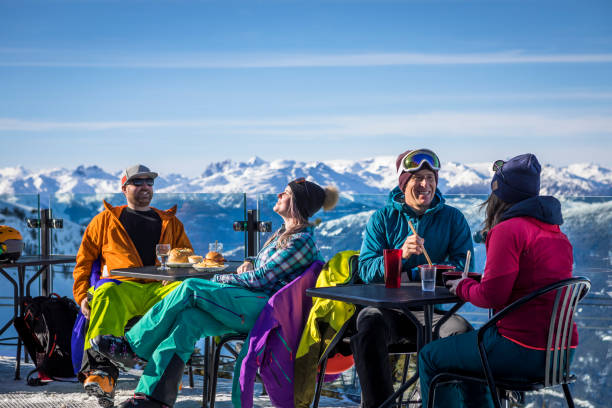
x=523, y=255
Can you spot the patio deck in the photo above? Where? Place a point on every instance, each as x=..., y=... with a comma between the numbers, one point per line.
x=17, y=394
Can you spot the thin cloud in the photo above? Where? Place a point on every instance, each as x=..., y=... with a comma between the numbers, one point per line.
x=13, y=58
x=452, y=124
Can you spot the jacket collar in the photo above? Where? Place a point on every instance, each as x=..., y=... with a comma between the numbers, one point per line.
x=543, y=208
x=116, y=211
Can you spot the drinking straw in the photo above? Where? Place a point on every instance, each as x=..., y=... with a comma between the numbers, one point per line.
x=216, y=244
x=424, y=250
x=467, y=264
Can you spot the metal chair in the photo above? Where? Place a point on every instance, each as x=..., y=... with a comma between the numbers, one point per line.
x=208, y=395
x=568, y=293
x=267, y=316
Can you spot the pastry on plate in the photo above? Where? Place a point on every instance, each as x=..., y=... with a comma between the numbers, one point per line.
x=195, y=259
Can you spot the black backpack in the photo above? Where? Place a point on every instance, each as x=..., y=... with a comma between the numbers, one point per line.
x=45, y=330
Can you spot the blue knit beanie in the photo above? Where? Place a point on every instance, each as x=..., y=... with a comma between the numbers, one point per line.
x=518, y=179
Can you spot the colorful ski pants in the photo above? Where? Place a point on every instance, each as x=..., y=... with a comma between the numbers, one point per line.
x=113, y=305
x=167, y=334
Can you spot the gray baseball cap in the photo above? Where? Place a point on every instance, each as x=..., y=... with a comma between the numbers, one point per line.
x=137, y=170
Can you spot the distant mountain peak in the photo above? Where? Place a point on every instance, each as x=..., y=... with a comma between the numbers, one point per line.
x=374, y=175
x=256, y=161
x=91, y=172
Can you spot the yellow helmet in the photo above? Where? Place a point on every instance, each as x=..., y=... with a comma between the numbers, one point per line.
x=11, y=243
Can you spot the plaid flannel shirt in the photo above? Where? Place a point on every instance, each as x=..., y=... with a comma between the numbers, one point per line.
x=273, y=267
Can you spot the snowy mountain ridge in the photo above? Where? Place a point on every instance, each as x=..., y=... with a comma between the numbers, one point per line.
x=370, y=176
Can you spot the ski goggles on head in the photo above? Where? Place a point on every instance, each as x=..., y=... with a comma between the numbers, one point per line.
x=415, y=160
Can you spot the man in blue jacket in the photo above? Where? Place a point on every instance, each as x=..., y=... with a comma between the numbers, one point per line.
x=442, y=229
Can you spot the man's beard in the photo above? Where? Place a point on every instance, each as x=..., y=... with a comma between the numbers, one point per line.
x=143, y=200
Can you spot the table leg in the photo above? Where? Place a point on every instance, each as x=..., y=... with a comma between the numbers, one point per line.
x=32, y=279
x=447, y=315
x=17, y=310
x=15, y=300
x=21, y=271
x=421, y=338
x=424, y=336
x=428, y=311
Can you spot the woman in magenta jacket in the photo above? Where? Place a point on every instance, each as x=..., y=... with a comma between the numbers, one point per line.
x=526, y=250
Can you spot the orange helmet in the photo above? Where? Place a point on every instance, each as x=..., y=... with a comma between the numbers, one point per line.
x=11, y=243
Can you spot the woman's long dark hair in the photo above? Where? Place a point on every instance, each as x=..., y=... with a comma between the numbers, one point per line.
x=494, y=208
x=284, y=234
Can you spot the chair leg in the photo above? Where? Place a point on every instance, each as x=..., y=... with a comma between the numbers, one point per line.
x=568, y=396
x=495, y=398
x=320, y=381
x=215, y=372
x=431, y=395
x=404, y=375
x=190, y=370
x=206, y=376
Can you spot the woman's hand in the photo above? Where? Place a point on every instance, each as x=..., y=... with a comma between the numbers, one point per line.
x=246, y=266
x=85, y=308
x=452, y=285
x=412, y=246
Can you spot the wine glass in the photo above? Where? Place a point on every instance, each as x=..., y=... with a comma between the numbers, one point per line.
x=163, y=251
x=215, y=246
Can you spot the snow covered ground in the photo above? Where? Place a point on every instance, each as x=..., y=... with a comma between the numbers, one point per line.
x=17, y=394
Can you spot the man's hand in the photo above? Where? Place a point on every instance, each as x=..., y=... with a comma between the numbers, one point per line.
x=412, y=246
x=85, y=308
x=246, y=266
x=452, y=285
x=165, y=282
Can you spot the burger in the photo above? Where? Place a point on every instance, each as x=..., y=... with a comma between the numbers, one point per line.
x=180, y=255
x=215, y=257
x=213, y=260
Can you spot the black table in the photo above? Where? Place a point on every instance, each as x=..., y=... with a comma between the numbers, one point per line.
x=406, y=298
x=181, y=273
x=172, y=274
x=20, y=286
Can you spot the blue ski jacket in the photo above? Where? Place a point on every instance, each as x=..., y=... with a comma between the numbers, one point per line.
x=444, y=228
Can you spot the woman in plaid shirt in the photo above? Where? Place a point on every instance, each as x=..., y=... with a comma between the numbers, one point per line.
x=166, y=335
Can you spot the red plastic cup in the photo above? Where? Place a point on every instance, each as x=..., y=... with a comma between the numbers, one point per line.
x=393, y=267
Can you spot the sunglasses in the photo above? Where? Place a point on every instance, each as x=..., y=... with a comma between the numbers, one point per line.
x=497, y=165
x=497, y=168
x=141, y=182
x=414, y=160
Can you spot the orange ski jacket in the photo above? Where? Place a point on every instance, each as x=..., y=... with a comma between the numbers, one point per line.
x=107, y=239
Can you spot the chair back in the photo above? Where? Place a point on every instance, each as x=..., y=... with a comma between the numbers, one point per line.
x=273, y=341
x=567, y=295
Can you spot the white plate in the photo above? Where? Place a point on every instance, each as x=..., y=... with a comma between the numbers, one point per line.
x=179, y=264
x=210, y=268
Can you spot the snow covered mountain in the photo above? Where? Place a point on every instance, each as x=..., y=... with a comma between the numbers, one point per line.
x=369, y=176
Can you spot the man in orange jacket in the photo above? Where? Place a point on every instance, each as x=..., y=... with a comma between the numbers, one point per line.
x=121, y=237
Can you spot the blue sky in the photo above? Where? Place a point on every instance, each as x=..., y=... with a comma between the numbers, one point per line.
x=180, y=84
